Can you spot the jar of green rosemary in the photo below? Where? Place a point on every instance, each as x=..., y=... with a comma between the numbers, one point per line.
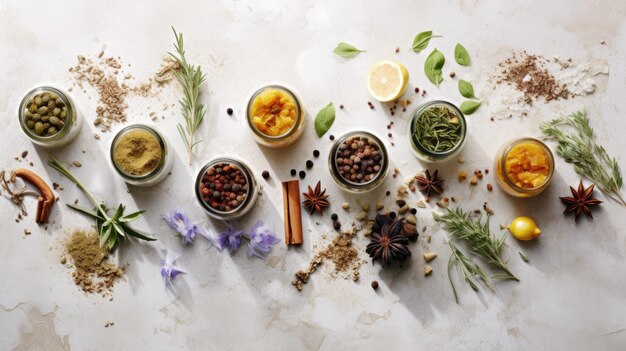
x=436, y=131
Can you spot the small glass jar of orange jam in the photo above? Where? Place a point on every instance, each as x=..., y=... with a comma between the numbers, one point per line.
x=524, y=167
x=275, y=116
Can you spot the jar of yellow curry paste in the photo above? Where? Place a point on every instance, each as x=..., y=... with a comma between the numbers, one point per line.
x=524, y=167
x=275, y=116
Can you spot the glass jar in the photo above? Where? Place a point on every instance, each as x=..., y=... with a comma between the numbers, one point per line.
x=153, y=176
x=71, y=124
x=422, y=152
x=354, y=185
x=203, y=190
x=509, y=185
x=282, y=140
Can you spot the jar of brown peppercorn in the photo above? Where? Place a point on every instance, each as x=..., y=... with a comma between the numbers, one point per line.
x=226, y=188
x=358, y=161
x=48, y=117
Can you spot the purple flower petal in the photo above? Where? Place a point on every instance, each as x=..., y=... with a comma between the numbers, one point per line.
x=182, y=225
x=262, y=238
x=230, y=238
x=168, y=270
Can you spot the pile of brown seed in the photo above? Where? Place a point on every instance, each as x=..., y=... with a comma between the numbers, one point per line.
x=528, y=73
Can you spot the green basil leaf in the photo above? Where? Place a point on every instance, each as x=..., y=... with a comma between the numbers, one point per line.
x=433, y=65
x=469, y=107
x=346, y=50
x=422, y=39
x=461, y=56
x=466, y=89
x=324, y=119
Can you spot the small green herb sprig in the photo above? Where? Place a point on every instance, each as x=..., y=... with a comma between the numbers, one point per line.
x=577, y=145
x=437, y=129
x=466, y=267
x=191, y=79
x=346, y=50
x=324, y=119
x=110, y=228
x=477, y=235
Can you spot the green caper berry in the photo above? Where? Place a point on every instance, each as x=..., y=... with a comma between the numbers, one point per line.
x=54, y=120
x=32, y=108
x=63, y=113
x=45, y=99
x=36, y=117
x=30, y=124
x=38, y=100
x=45, y=118
x=42, y=110
x=28, y=113
x=38, y=128
x=51, y=104
x=59, y=101
x=46, y=125
x=52, y=131
x=56, y=111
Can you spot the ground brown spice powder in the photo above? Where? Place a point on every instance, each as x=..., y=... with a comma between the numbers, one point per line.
x=341, y=252
x=93, y=272
x=138, y=152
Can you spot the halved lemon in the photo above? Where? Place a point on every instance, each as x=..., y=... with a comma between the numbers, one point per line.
x=387, y=80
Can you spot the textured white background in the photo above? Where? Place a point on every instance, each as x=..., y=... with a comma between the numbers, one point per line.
x=571, y=294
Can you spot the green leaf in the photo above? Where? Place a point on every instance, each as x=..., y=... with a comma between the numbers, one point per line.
x=104, y=236
x=422, y=39
x=324, y=119
x=84, y=210
x=118, y=213
x=131, y=217
x=132, y=232
x=346, y=50
x=469, y=107
x=466, y=89
x=433, y=65
x=461, y=56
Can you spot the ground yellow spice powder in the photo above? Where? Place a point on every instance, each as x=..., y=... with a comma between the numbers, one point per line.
x=138, y=152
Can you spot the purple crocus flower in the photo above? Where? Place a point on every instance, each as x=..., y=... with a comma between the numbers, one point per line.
x=261, y=239
x=182, y=225
x=168, y=270
x=230, y=238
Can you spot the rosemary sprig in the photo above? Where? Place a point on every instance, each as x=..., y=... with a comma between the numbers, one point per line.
x=478, y=238
x=191, y=79
x=466, y=267
x=437, y=129
x=577, y=145
x=110, y=228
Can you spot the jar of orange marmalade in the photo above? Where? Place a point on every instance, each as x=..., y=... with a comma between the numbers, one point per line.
x=524, y=167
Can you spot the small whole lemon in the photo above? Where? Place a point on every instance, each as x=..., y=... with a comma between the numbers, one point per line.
x=524, y=228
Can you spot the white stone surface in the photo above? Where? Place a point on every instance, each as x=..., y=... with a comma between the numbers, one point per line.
x=572, y=294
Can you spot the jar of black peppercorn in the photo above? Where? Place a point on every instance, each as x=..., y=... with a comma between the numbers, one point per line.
x=226, y=188
x=358, y=161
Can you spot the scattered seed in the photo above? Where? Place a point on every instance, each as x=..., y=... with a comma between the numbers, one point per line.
x=316, y=153
x=474, y=180
x=414, y=211
x=400, y=203
x=345, y=206
x=489, y=187
x=452, y=74
x=397, y=49
x=428, y=270
x=309, y=164
x=24, y=153
x=361, y=216
x=331, y=137
x=302, y=174
x=77, y=164
x=374, y=284
x=462, y=176
x=365, y=206
x=379, y=205
x=337, y=225
x=341, y=107
x=429, y=256
x=265, y=174
x=334, y=217
x=229, y=111
x=293, y=172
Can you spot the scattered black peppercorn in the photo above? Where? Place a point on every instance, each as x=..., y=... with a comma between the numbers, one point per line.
x=341, y=107
x=334, y=216
x=417, y=90
x=316, y=153
x=229, y=111
x=309, y=164
x=389, y=135
x=374, y=284
x=391, y=215
x=302, y=174
x=293, y=172
x=332, y=137
x=336, y=225
x=388, y=193
x=400, y=203
x=413, y=211
x=265, y=174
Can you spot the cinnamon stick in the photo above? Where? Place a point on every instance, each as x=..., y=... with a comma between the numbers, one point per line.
x=293, y=212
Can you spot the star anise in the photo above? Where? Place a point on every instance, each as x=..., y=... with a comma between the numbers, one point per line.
x=430, y=183
x=580, y=201
x=389, y=244
x=316, y=200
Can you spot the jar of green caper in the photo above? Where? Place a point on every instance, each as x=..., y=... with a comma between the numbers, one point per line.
x=48, y=117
